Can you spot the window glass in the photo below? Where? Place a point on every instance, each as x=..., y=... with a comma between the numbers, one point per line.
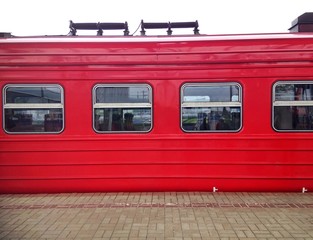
x=122, y=94
x=122, y=108
x=211, y=107
x=33, y=120
x=293, y=106
x=33, y=108
x=33, y=95
x=211, y=118
x=224, y=93
x=294, y=92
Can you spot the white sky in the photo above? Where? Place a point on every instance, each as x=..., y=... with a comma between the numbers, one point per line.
x=51, y=17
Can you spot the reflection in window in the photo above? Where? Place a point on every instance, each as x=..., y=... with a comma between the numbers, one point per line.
x=293, y=106
x=123, y=119
x=211, y=107
x=33, y=94
x=122, y=108
x=211, y=119
x=125, y=94
x=33, y=108
x=294, y=92
x=211, y=93
x=39, y=120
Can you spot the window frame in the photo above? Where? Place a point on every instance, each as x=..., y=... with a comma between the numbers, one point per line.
x=209, y=104
x=289, y=103
x=32, y=106
x=96, y=105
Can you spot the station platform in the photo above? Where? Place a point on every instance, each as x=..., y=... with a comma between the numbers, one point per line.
x=157, y=215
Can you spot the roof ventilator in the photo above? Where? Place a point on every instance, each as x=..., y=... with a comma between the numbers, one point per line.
x=169, y=26
x=304, y=23
x=98, y=26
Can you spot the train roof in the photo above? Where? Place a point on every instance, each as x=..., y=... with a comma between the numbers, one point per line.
x=177, y=38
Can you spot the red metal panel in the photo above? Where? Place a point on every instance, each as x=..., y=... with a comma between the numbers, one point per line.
x=157, y=171
x=35, y=75
x=166, y=159
x=156, y=157
x=152, y=184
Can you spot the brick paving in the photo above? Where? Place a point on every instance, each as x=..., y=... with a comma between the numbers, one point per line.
x=172, y=215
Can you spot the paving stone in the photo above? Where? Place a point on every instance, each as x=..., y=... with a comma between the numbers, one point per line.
x=169, y=215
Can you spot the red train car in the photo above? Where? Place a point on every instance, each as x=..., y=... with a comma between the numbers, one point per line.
x=171, y=113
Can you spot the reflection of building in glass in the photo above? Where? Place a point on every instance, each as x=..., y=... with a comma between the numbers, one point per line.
x=211, y=119
x=293, y=106
x=121, y=107
x=211, y=107
x=38, y=120
x=33, y=108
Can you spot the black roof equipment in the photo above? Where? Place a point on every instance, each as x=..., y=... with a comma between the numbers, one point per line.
x=169, y=26
x=303, y=23
x=99, y=27
x=5, y=35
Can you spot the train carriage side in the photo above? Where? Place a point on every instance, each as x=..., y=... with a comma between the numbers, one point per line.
x=233, y=113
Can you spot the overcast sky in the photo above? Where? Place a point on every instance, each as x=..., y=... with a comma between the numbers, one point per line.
x=51, y=17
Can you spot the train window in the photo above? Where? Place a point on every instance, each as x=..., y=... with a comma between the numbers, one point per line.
x=122, y=108
x=293, y=106
x=33, y=108
x=211, y=107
